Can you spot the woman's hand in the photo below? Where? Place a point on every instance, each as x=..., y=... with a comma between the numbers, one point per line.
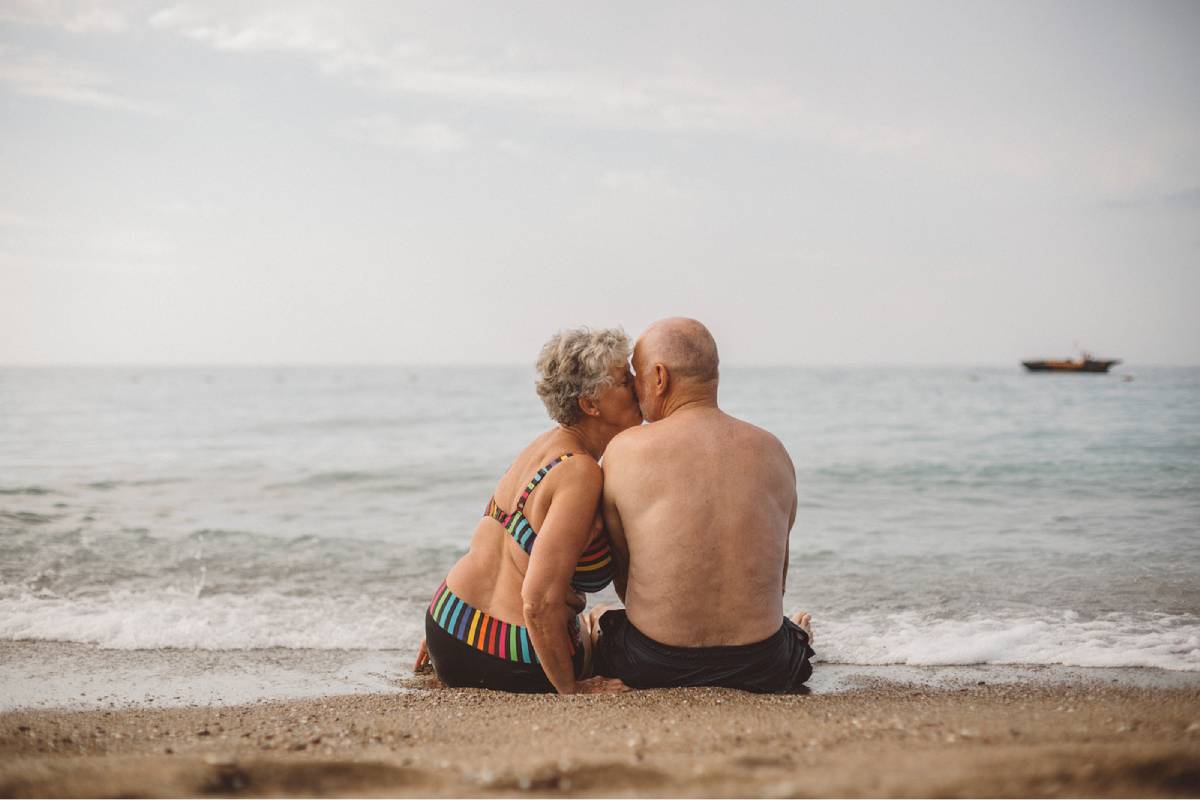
x=422, y=663
x=601, y=685
x=576, y=601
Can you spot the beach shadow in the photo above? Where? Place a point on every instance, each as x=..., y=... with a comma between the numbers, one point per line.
x=314, y=779
x=167, y=777
x=587, y=779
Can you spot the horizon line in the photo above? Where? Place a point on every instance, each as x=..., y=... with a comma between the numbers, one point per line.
x=516, y=364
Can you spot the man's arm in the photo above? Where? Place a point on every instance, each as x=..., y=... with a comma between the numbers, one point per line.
x=619, y=547
x=787, y=545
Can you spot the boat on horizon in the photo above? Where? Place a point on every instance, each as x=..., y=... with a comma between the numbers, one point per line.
x=1086, y=363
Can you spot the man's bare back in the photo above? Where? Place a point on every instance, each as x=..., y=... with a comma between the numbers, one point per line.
x=698, y=506
x=704, y=503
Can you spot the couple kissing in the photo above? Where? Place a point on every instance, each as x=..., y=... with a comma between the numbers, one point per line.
x=688, y=518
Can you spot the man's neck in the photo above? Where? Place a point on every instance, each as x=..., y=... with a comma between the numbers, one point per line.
x=691, y=401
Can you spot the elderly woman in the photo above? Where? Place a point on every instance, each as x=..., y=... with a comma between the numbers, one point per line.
x=506, y=615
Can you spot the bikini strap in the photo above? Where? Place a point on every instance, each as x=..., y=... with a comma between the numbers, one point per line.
x=541, y=473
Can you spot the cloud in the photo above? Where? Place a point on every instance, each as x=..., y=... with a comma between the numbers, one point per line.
x=11, y=219
x=680, y=96
x=341, y=51
x=73, y=17
x=635, y=181
x=85, y=245
x=265, y=33
x=514, y=148
x=1186, y=200
x=877, y=139
x=1189, y=199
x=132, y=244
x=680, y=100
x=388, y=131
x=48, y=76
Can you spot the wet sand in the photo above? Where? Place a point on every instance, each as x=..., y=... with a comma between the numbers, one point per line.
x=881, y=739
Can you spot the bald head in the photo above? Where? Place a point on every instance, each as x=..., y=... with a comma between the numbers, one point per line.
x=684, y=346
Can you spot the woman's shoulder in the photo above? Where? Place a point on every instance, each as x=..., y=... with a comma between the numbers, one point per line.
x=552, y=444
x=571, y=464
x=581, y=466
x=560, y=454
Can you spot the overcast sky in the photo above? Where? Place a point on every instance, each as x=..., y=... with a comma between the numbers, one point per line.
x=250, y=182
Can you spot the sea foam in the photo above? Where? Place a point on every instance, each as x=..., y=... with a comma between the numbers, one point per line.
x=1142, y=639
x=144, y=621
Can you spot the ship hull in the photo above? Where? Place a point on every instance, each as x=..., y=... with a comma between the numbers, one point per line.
x=1070, y=366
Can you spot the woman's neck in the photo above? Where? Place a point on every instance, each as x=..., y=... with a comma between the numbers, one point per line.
x=592, y=434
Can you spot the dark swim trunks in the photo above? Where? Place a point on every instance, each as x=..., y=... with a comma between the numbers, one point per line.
x=779, y=663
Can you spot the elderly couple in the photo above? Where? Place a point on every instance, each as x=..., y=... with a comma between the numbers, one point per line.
x=689, y=518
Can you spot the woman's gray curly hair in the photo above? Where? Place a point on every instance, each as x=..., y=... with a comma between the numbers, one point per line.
x=576, y=363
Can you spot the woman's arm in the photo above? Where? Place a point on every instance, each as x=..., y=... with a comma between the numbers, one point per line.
x=546, y=591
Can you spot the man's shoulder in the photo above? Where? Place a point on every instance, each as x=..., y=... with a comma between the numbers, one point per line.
x=761, y=434
x=628, y=440
x=632, y=451
x=761, y=439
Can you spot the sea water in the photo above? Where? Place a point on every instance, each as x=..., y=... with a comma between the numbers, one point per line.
x=946, y=516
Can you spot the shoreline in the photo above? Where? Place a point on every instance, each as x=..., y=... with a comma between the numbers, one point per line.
x=88, y=677
x=878, y=739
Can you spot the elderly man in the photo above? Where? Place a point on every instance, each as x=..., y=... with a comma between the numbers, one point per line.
x=699, y=506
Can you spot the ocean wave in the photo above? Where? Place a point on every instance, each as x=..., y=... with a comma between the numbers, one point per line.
x=109, y=485
x=331, y=479
x=1142, y=639
x=27, y=517
x=398, y=479
x=144, y=621
x=147, y=621
x=337, y=424
x=950, y=472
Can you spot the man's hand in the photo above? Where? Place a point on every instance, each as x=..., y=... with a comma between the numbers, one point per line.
x=422, y=663
x=601, y=685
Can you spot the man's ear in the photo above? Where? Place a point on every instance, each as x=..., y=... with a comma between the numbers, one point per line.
x=662, y=378
x=588, y=406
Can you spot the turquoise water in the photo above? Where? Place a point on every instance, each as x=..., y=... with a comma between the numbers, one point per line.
x=947, y=516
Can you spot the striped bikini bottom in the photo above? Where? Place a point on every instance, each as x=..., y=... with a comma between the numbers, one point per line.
x=489, y=636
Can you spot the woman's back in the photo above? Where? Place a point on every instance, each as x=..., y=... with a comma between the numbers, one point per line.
x=492, y=572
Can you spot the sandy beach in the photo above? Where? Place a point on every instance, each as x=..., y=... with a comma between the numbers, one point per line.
x=880, y=739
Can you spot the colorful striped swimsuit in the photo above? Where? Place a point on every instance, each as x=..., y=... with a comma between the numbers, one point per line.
x=507, y=640
x=593, y=571
x=486, y=633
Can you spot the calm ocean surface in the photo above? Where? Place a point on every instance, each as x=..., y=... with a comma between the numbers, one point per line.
x=947, y=516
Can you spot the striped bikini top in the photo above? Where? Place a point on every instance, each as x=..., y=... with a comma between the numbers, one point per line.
x=593, y=571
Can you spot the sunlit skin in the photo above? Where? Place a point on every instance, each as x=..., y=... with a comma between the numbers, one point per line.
x=699, y=506
x=497, y=576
